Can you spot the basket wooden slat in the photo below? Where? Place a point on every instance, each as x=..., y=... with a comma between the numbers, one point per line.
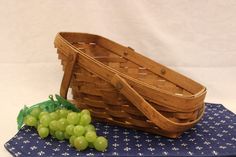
x=120, y=86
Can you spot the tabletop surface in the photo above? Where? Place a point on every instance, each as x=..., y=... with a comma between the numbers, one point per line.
x=214, y=135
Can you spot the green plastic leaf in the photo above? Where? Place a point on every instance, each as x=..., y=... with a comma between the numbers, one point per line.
x=20, y=118
x=66, y=104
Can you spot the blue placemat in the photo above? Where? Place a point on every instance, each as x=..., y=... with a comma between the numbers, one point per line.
x=214, y=135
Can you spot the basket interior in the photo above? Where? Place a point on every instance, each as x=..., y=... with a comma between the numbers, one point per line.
x=129, y=68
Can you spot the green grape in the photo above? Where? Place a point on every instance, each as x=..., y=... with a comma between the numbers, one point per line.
x=89, y=127
x=90, y=145
x=70, y=129
x=58, y=111
x=30, y=120
x=80, y=143
x=39, y=126
x=62, y=124
x=53, y=125
x=85, y=111
x=91, y=136
x=72, y=138
x=67, y=136
x=35, y=112
x=45, y=120
x=52, y=132
x=59, y=135
x=79, y=130
x=63, y=113
x=79, y=115
x=85, y=119
x=72, y=118
x=54, y=115
x=43, y=132
x=101, y=143
x=42, y=114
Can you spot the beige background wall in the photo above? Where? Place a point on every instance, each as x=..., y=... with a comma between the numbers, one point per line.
x=196, y=38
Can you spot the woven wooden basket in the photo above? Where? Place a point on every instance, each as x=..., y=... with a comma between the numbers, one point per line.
x=122, y=87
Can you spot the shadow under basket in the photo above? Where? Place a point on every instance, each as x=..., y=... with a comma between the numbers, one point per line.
x=123, y=87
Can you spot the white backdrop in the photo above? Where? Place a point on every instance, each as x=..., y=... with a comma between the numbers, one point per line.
x=195, y=38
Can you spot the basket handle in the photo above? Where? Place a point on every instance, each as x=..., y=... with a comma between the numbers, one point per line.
x=65, y=83
x=148, y=110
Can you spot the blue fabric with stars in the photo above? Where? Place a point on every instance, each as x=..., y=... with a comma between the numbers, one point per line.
x=214, y=135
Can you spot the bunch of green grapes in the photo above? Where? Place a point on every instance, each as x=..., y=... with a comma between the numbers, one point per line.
x=66, y=124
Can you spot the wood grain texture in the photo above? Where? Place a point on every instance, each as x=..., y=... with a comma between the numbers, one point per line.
x=120, y=86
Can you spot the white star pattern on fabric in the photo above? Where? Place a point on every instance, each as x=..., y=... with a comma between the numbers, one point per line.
x=40, y=153
x=115, y=153
x=198, y=148
x=48, y=143
x=161, y=144
x=90, y=154
x=175, y=149
x=19, y=138
x=18, y=154
x=136, y=137
x=56, y=149
x=115, y=144
x=26, y=141
x=214, y=152
x=65, y=154
x=126, y=139
x=127, y=149
x=116, y=136
x=151, y=149
x=148, y=140
x=140, y=154
x=165, y=153
x=190, y=153
x=222, y=147
x=233, y=139
x=33, y=147
x=105, y=132
x=138, y=145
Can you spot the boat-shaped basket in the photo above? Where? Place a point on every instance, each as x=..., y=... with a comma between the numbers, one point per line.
x=123, y=87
